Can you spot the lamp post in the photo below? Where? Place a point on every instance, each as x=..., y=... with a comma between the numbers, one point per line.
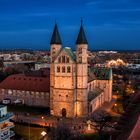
x=43, y=120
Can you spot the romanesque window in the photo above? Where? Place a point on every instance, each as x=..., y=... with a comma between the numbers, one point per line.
x=63, y=69
x=67, y=96
x=79, y=50
x=80, y=59
x=68, y=69
x=63, y=59
x=67, y=60
x=59, y=60
x=58, y=69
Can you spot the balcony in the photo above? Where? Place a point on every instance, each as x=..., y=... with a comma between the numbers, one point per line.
x=6, y=117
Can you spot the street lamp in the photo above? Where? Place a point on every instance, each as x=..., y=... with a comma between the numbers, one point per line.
x=43, y=120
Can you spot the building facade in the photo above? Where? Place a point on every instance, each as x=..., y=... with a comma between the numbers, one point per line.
x=5, y=124
x=69, y=78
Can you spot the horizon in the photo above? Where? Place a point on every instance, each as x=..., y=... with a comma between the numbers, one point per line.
x=109, y=25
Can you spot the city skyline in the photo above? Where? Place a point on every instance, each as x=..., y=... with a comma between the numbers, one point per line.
x=111, y=25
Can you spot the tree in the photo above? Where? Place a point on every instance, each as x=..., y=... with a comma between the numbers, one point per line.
x=102, y=119
x=61, y=132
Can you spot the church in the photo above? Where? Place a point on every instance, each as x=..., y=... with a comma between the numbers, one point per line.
x=70, y=87
x=76, y=89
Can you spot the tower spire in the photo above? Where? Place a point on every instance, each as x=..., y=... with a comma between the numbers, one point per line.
x=81, y=39
x=55, y=36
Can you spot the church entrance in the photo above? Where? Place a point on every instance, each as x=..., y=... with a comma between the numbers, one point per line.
x=64, y=112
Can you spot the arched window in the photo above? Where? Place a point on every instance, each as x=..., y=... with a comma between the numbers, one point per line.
x=80, y=50
x=80, y=59
x=63, y=59
x=68, y=69
x=58, y=69
x=59, y=60
x=63, y=69
x=67, y=60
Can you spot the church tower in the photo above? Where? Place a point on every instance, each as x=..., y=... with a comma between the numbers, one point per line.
x=82, y=73
x=55, y=47
x=68, y=78
x=62, y=79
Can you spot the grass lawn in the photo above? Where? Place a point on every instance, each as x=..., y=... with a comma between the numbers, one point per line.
x=24, y=131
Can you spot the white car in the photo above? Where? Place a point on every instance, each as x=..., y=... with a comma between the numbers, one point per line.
x=6, y=101
x=18, y=101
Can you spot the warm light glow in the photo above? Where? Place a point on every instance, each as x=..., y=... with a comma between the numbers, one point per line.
x=43, y=133
x=42, y=117
x=115, y=63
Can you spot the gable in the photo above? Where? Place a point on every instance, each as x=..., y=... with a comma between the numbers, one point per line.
x=67, y=53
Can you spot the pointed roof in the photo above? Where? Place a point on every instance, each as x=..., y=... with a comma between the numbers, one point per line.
x=55, y=36
x=81, y=39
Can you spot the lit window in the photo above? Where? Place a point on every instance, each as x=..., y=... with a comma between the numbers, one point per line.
x=68, y=69
x=58, y=69
x=63, y=69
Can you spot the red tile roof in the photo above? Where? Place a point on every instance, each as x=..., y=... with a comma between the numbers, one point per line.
x=26, y=83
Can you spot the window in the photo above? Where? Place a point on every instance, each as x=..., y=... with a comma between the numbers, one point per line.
x=63, y=69
x=79, y=50
x=66, y=96
x=80, y=59
x=63, y=59
x=67, y=60
x=68, y=69
x=59, y=60
x=58, y=69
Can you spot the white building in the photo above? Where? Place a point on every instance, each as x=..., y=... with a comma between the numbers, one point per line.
x=5, y=124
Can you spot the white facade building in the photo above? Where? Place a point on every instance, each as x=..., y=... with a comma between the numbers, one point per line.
x=5, y=124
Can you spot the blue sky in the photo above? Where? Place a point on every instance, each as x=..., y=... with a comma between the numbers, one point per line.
x=109, y=24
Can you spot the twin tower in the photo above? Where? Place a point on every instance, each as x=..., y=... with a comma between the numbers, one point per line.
x=68, y=77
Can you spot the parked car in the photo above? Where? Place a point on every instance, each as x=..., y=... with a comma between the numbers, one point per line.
x=6, y=101
x=18, y=101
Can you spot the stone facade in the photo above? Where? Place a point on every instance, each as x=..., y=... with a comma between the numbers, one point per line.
x=69, y=80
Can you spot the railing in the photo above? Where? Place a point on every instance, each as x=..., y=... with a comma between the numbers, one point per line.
x=6, y=117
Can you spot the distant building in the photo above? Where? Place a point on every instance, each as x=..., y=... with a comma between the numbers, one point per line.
x=41, y=65
x=33, y=88
x=5, y=124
